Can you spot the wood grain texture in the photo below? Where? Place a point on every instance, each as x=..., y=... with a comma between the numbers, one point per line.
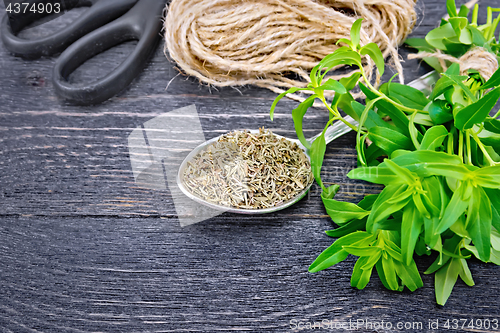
x=84, y=249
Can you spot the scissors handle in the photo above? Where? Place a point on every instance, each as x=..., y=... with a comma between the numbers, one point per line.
x=143, y=23
x=99, y=13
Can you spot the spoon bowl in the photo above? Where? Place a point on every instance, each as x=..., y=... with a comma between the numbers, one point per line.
x=336, y=130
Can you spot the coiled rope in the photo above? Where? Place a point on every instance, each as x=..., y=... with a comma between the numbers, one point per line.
x=275, y=43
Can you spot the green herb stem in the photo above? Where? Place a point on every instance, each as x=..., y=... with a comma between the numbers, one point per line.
x=336, y=114
x=450, y=143
x=469, y=154
x=483, y=149
x=378, y=93
x=461, y=145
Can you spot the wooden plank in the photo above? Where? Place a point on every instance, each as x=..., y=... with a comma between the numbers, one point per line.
x=84, y=249
x=137, y=274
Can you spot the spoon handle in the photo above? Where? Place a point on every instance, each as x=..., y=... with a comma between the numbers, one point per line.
x=336, y=130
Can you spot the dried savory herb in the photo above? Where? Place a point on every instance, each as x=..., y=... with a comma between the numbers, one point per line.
x=249, y=171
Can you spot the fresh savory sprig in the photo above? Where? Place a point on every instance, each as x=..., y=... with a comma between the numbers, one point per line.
x=439, y=159
x=456, y=35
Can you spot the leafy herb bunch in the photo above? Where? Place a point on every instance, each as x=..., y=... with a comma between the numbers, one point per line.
x=456, y=35
x=439, y=159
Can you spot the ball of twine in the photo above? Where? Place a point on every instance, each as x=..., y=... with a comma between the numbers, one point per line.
x=275, y=43
x=476, y=58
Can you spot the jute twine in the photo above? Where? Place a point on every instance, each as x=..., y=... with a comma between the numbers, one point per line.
x=275, y=43
x=477, y=58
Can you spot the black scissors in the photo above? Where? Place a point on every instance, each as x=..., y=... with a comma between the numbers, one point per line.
x=107, y=23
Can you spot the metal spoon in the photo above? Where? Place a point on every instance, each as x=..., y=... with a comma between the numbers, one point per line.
x=336, y=130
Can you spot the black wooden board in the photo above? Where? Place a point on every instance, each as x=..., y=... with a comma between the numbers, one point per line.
x=84, y=249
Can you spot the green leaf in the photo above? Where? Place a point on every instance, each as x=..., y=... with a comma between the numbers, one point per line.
x=437, y=264
x=398, y=117
x=345, y=41
x=335, y=252
x=431, y=238
x=455, y=96
x=381, y=209
x=477, y=37
x=444, y=83
x=368, y=201
x=423, y=119
x=298, y=116
x=374, y=52
x=317, y=153
x=464, y=11
x=495, y=257
x=325, y=62
x=494, y=80
x=389, y=273
x=478, y=222
x=455, y=208
x=350, y=82
x=393, y=250
x=455, y=47
x=433, y=187
x=454, y=69
x=477, y=112
x=459, y=24
x=406, y=95
x=341, y=56
x=495, y=240
x=410, y=230
x=381, y=275
x=280, y=96
x=440, y=111
x=434, y=137
x=362, y=251
x=376, y=175
x=402, y=195
x=368, y=265
x=494, y=196
x=416, y=159
x=347, y=228
x=362, y=272
x=331, y=84
x=455, y=171
x=388, y=139
x=419, y=44
x=420, y=160
x=465, y=273
x=343, y=212
x=451, y=8
x=487, y=176
x=424, y=205
x=404, y=174
x=458, y=79
x=445, y=279
x=372, y=118
x=415, y=135
x=344, y=103
x=355, y=32
x=492, y=125
x=459, y=227
x=409, y=275
x=436, y=36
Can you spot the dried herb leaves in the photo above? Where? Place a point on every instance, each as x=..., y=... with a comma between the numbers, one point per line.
x=248, y=171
